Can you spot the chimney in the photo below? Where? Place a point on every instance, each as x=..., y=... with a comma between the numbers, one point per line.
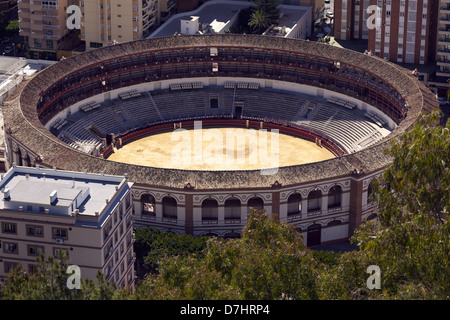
x=53, y=197
x=6, y=193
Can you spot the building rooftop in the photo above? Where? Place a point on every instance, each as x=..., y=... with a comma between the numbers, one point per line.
x=289, y=17
x=212, y=13
x=59, y=192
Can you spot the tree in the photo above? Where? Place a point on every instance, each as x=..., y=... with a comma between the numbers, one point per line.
x=270, y=261
x=151, y=245
x=270, y=8
x=13, y=25
x=410, y=240
x=49, y=282
x=258, y=21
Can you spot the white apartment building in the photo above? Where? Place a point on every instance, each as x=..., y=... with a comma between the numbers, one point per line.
x=89, y=215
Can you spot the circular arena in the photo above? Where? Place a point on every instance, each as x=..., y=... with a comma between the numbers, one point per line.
x=95, y=111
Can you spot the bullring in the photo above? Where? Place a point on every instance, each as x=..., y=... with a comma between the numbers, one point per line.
x=325, y=201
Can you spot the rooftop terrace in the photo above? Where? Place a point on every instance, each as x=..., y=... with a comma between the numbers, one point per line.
x=58, y=192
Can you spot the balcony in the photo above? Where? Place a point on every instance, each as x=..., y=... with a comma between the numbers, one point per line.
x=444, y=31
x=444, y=40
x=231, y=220
x=24, y=23
x=443, y=62
x=444, y=51
x=35, y=6
x=443, y=74
x=445, y=19
x=50, y=26
x=209, y=220
x=50, y=36
x=49, y=16
x=294, y=216
x=25, y=32
x=314, y=212
x=445, y=9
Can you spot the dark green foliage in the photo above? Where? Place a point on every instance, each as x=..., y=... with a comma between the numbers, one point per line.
x=329, y=258
x=49, y=282
x=152, y=245
x=270, y=261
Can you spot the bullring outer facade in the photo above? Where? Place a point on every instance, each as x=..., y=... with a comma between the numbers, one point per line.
x=74, y=114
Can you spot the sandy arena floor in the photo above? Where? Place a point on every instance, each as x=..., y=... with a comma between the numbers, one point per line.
x=213, y=149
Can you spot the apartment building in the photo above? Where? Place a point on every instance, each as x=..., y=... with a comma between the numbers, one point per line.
x=440, y=83
x=43, y=25
x=89, y=215
x=406, y=32
x=350, y=17
x=105, y=22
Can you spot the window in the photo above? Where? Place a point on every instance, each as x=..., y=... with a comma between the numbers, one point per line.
x=107, y=250
x=128, y=201
x=35, y=231
x=9, y=266
x=35, y=250
x=210, y=210
x=369, y=194
x=232, y=209
x=95, y=44
x=255, y=203
x=314, y=200
x=59, y=233
x=9, y=227
x=37, y=43
x=169, y=206
x=128, y=221
x=334, y=197
x=294, y=204
x=58, y=251
x=9, y=247
x=106, y=230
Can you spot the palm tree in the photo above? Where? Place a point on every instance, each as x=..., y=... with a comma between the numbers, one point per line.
x=258, y=21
